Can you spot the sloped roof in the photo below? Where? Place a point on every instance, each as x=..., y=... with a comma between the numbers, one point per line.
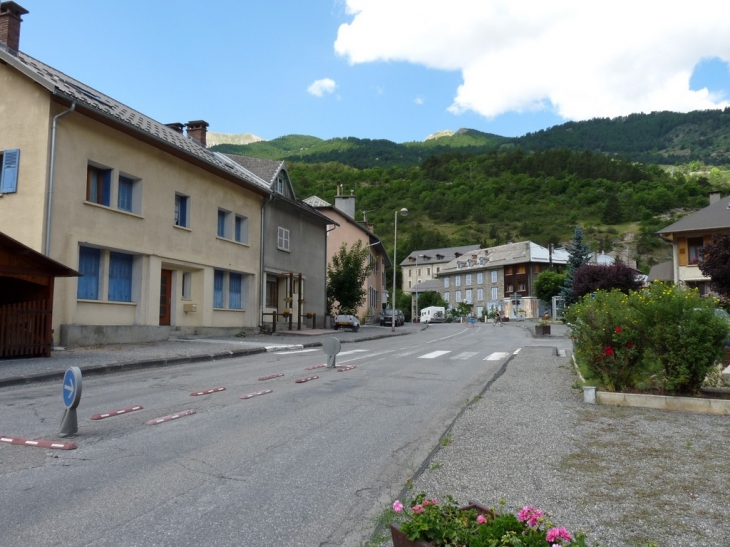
x=661, y=272
x=715, y=216
x=91, y=100
x=33, y=262
x=503, y=255
x=265, y=169
x=427, y=285
x=439, y=256
x=315, y=201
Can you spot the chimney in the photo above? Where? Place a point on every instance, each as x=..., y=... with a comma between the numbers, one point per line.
x=176, y=126
x=197, y=130
x=10, y=19
x=714, y=197
x=346, y=204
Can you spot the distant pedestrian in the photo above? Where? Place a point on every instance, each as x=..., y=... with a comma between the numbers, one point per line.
x=498, y=318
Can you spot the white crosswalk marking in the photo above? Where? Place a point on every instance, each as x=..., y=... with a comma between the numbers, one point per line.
x=496, y=356
x=351, y=351
x=434, y=354
x=464, y=355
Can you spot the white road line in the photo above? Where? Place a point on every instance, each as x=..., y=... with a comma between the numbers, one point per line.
x=297, y=351
x=515, y=352
x=351, y=351
x=496, y=356
x=434, y=354
x=464, y=355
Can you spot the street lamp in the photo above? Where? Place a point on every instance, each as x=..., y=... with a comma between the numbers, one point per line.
x=403, y=212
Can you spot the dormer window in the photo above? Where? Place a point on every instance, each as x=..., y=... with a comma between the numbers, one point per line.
x=458, y=265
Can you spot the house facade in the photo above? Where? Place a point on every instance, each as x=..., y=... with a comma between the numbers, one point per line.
x=420, y=266
x=499, y=278
x=344, y=229
x=294, y=250
x=166, y=234
x=687, y=236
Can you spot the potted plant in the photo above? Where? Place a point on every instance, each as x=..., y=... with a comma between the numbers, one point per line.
x=286, y=313
x=427, y=522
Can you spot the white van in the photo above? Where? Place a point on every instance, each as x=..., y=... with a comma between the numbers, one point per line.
x=433, y=314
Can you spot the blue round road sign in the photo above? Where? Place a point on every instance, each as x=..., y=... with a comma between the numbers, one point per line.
x=72, y=387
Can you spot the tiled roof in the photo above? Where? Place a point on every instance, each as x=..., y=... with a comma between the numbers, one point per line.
x=713, y=217
x=315, y=201
x=63, y=85
x=502, y=255
x=439, y=256
x=264, y=169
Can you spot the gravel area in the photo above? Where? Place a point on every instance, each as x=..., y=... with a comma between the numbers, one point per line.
x=626, y=476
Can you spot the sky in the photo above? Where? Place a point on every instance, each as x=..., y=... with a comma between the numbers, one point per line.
x=388, y=69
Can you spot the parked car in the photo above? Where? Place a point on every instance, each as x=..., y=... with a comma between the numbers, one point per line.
x=386, y=318
x=345, y=321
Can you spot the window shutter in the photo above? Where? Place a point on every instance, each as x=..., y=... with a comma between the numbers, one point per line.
x=682, y=244
x=218, y=289
x=120, y=277
x=88, y=284
x=9, y=174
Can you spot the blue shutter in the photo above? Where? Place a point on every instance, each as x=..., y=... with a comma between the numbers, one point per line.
x=106, y=189
x=234, y=291
x=239, y=221
x=120, y=277
x=9, y=174
x=218, y=289
x=124, y=197
x=221, y=223
x=88, y=288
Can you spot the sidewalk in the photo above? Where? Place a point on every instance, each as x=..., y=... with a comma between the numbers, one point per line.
x=122, y=357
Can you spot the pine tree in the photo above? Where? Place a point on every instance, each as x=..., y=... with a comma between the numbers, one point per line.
x=579, y=254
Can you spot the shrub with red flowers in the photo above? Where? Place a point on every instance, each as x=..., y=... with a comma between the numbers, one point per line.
x=446, y=524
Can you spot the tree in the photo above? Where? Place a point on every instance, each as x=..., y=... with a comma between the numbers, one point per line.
x=590, y=278
x=548, y=284
x=715, y=264
x=430, y=298
x=462, y=310
x=346, y=277
x=579, y=252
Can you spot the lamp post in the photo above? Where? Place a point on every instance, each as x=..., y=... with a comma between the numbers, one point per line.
x=403, y=212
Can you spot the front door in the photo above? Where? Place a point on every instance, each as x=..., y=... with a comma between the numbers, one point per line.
x=165, y=296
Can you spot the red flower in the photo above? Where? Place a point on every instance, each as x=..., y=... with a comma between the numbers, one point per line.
x=618, y=329
x=630, y=345
x=608, y=351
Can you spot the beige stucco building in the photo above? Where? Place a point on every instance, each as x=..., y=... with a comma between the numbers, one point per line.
x=166, y=233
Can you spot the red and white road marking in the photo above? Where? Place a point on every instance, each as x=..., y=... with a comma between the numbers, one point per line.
x=116, y=412
x=207, y=391
x=307, y=379
x=39, y=444
x=345, y=368
x=249, y=395
x=315, y=366
x=270, y=376
x=171, y=417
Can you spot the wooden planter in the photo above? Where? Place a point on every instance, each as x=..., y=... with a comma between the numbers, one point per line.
x=401, y=540
x=542, y=330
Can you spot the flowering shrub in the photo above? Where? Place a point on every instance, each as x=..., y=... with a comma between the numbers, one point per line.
x=660, y=337
x=445, y=524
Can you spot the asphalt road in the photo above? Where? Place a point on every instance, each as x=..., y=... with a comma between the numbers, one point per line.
x=309, y=464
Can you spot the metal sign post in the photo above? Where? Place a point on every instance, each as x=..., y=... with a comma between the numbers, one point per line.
x=331, y=347
x=71, y=400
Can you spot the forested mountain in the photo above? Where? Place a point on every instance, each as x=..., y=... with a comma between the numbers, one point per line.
x=660, y=137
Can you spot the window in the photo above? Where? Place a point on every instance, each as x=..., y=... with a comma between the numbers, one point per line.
x=510, y=288
x=537, y=268
x=89, y=260
x=419, y=272
x=428, y=271
x=694, y=245
x=508, y=270
x=240, y=231
x=446, y=296
x=218, y=278
x=282, y=240
x=446, y=282
x=480, y=295
x=457, y=281
x=409, y=284
x=457, y=296
x=9, y=162
x=495, y=294
x=182, y=211
x=222, y=222
x=120, y=277
x=480, y=278
x=521, y=269
x=410, y=273
x=234, y=291
x=468, y=296
x=272, y=292
x=468, y=279
x=124, y=193
x=98, y=185
x=494, y=276
x=438, y=269
x=522, y=287
x=187, y=285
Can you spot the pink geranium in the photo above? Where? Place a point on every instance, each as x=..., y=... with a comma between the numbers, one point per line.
x=481, y=519
x=555, y=534
x=397, y=506
x=530, y=515
x=418, y=509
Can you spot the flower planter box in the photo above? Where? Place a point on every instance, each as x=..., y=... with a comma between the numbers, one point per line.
x=542, y=330
x=401, y=540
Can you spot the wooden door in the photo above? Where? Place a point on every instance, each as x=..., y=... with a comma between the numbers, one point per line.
x=165, y=296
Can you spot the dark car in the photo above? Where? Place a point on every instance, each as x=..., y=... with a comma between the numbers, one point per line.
x=386, y=318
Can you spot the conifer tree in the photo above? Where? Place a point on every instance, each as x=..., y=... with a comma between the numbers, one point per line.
x=579, y=253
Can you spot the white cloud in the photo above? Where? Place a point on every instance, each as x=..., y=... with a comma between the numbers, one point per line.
x=582, y=59
x=320, y=87
x=419, y=100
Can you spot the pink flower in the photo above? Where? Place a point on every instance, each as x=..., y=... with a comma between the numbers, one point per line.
x=426, y=502
x=418, y=509
x=530, y=515
x=556, y=534
x=397, y=506
x=481, y=519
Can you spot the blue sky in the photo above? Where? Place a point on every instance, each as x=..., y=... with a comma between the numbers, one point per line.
x=390, y=69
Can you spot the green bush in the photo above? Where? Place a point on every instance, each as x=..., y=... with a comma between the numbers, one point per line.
x=660, y=337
